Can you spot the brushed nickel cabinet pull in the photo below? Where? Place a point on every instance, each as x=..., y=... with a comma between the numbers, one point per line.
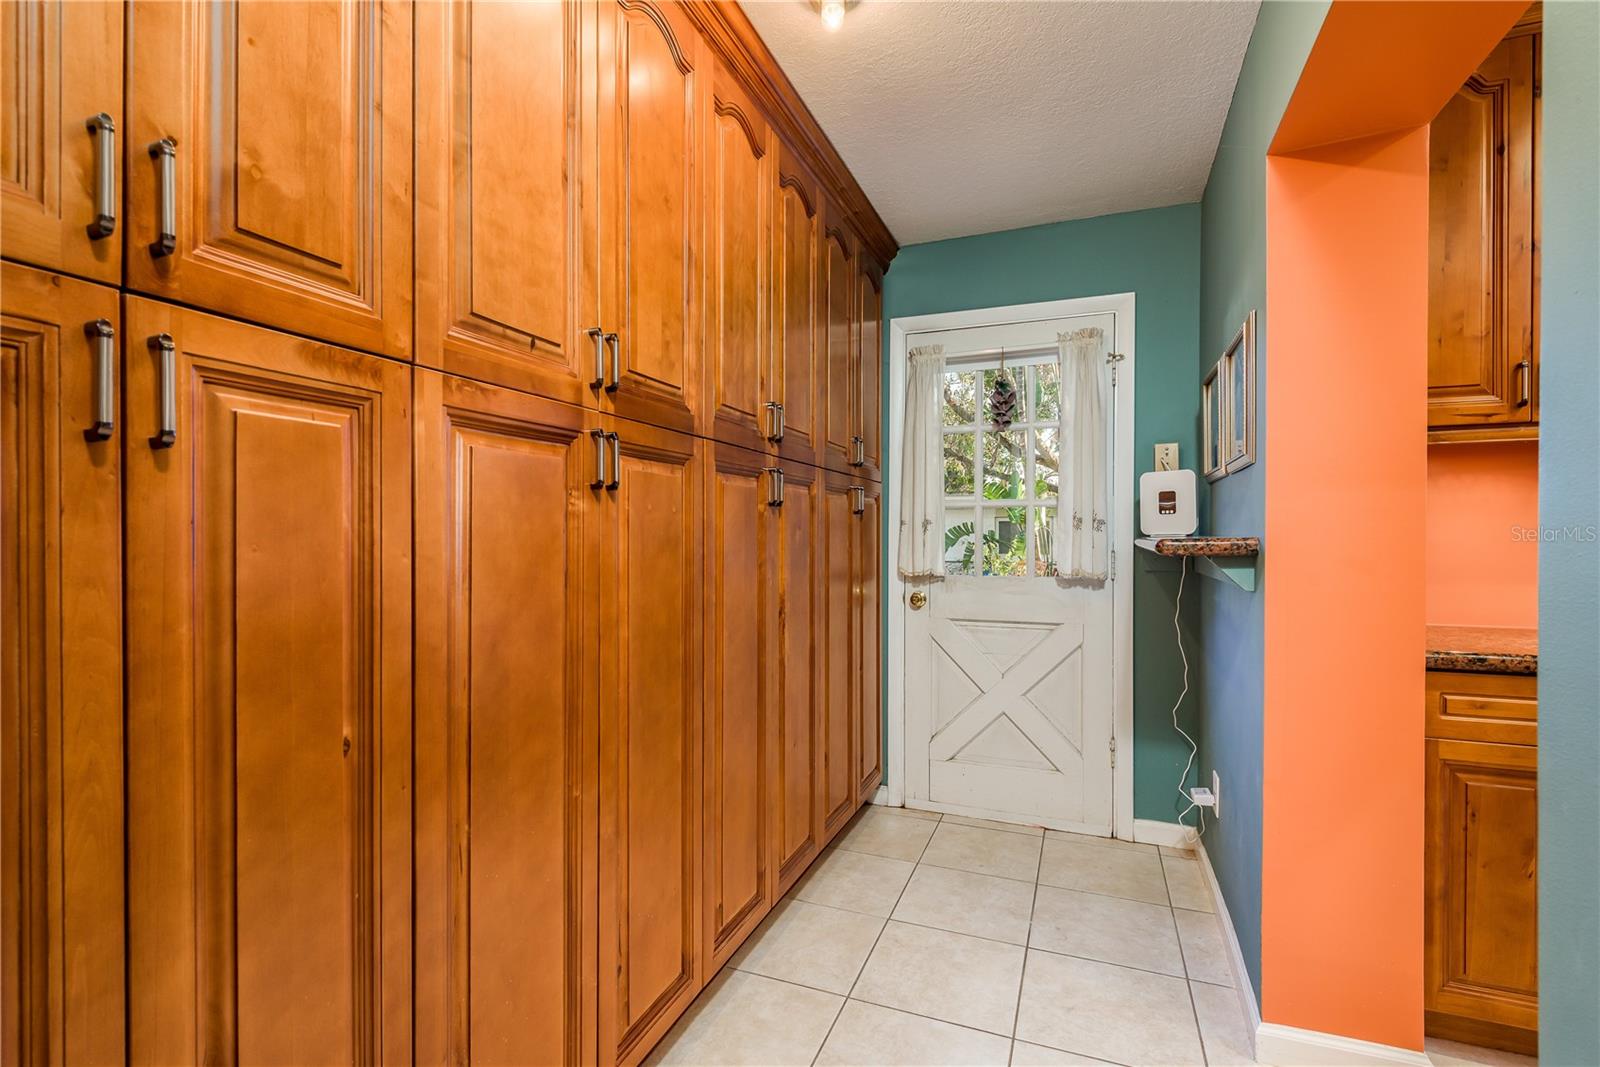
x=1524, y=379
x=615, y=344
x=616, y=461
x=165, y=153
x=858, y=451
x=775, y=483
x=599, y=459
x=783, y=421
x=103, y=131
x=858, y=499
x=597, y=335
x=103, y=337
x=774, y=421
x=166, y=389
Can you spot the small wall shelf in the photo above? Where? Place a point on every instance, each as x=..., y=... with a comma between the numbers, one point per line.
x=1231, y=559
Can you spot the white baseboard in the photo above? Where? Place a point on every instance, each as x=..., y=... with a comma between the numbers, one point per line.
x=881, y=796
x=1290, y=1046
x=1241, y=976
x=1156, y=832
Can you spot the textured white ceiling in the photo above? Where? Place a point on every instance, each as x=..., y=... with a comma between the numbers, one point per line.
x=969, y=116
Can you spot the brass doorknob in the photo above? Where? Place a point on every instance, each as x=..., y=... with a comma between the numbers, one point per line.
x=918, y=599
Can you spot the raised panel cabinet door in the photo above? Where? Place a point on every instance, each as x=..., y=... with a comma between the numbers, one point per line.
x=507, y=740
x=869, y=369
x=269, y=695
x=741, y=621
x=651, y=667
x=737, y=292
x=269, y=163
x=1481, y=237
x=836, y=362
x=61, y=853
x=867, y=582
x=796, y=725
x=796, y=338
x=838, y=526
x=498, y=231
x=650, y=86
x=61, y=112
x=1482, y=961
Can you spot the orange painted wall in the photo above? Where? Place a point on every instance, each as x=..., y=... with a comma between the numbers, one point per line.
x=1341, y=913
x=1483, y=557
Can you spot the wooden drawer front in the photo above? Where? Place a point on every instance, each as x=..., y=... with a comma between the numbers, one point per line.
x=1502, y=708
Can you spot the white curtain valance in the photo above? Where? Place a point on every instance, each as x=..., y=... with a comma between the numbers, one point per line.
x=921, y=555
x=1083, y=503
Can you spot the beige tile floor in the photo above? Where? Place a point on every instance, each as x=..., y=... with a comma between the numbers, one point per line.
x=923, y=940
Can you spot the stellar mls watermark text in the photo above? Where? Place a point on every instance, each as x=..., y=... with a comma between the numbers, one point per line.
x=1555, y=533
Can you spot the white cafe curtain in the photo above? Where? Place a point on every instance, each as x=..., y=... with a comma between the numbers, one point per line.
x=1083, y=444
x=922, y=468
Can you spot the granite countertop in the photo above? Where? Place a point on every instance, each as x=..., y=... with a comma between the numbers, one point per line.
x=1487, y=649
x=1202, y=546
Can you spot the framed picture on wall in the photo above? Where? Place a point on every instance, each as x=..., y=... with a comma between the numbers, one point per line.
x=1239, y=384
x=1214, y=414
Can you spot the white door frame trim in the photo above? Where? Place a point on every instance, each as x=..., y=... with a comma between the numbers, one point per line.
x=1120, y=305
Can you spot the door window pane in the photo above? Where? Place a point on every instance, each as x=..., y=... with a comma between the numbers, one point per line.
x=958, y=464
x=960, y=554
x=1044, y=542
x=1005, y=541
x=1046, y=463
x=1003, y=464
x=960, y=397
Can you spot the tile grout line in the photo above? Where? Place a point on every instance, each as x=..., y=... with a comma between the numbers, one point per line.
x=1188, y=983
x=868, y=957
x=1027, y=947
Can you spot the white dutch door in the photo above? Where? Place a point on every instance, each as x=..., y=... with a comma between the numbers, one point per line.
x=1009, y=676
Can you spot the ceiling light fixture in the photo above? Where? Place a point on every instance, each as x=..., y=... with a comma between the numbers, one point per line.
x=832, y=13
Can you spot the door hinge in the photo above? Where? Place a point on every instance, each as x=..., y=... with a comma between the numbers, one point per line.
x=1113, y=564
x=1113, y=753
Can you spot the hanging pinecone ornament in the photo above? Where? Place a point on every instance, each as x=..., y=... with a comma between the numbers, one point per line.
x=1003, y=402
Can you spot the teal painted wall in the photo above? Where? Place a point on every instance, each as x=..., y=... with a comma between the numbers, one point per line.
x=1154, y=254
x=1233, y=273
x=1569, y=554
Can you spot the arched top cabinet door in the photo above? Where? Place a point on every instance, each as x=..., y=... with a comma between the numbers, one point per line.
x=738, y=235
x=498, y=154
x=796, y=346
x=269, y=164
x=837, y=363
x=651, y=78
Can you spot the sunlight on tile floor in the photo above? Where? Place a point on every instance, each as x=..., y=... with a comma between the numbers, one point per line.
x=922, y=940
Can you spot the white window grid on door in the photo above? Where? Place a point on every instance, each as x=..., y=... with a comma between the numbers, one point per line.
x=1024, y=489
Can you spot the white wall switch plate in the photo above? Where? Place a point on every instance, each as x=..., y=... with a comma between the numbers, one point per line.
x=1167, y=456
x=1216, y=794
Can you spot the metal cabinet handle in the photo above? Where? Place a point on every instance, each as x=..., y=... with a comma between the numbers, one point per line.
x=165, y=153
x=858, y=499
x=599, y=459
x=775, y=494
x=597, y=335
x=616, y=461
x=166, y=390
x=616, y=362
x=103, y=132
x=103, y=336
x=783, y=421
x=858, y=451
x=774, y=421
x=1524, y=378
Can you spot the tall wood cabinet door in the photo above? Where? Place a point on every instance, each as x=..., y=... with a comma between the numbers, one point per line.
x=269, y=164
x=1481, y=343
x=796, y=337
x=868, y=459
x=836, y=363
x=61, y=859
x=506, y=730
x=649, y=56
x=868, y=584
x=651, y=600
x=838, y=533
x=1482, y=962
x=269, y=695
x=499, y=135
x=741, y=618
x=796, y=804
x=738, y=235
x=61, y=105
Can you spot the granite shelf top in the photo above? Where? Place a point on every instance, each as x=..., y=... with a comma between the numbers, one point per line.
x=1201, y=546
x=1485, y=649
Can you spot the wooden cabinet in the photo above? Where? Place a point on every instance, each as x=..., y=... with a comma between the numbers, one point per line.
x=797, y=684
x=836, y=363
x=837, y=534
x=61, y=848
x=61, y=102
x=868, y=357
x=500, y=225
x=796, y=337
x=1481, y=964
x=269, y=695
x=649, y=610
x=651, y=70
x=742, y=630
x=268, y=154
x=867, y=646
x=1483, y=334
x=506, y=728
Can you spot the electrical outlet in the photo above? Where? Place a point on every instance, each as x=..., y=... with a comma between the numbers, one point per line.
x=1167, y=456
x=1216, y=795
